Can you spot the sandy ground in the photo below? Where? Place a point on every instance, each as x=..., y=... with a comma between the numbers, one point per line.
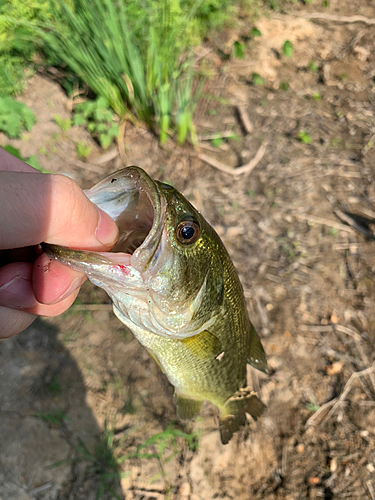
x=79, y=397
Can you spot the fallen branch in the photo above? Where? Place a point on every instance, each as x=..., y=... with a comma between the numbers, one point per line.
x=323, y=222
x=354, y=224
x=347, y=388
x=339, y=19
x=244, y=117
x=106, y=157
x=243, y=169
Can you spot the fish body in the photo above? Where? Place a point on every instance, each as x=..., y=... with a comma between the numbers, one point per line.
x=173, y=284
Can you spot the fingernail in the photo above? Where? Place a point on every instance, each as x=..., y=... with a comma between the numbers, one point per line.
x=17, y=293
x=106, y=231
x=76, y=283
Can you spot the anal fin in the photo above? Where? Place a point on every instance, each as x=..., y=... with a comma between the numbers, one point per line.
x=187, y=407
x=204, y=345
x=233, y=413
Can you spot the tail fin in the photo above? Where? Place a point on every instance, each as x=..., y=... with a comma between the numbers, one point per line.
x=233, y=412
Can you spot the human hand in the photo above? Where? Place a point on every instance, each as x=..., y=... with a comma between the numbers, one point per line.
x=36, y=208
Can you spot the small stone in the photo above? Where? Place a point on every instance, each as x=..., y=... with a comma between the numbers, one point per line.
x=185, y=489
x=300, y=448
x=333, y=464
x=334, y=368
x=370, y=467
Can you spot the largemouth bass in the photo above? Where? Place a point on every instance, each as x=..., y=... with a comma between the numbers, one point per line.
x=173, y=284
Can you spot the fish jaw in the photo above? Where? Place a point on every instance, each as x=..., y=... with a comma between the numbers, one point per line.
x=135, y=203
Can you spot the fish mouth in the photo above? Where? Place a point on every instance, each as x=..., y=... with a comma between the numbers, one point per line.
x=135, y=203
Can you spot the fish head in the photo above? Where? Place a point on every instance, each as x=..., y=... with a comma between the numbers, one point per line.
x=164, y=273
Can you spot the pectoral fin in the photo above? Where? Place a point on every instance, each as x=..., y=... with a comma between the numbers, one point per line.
x=257, y=356
x=233, y=413
x=187, y=407
x=204, y=345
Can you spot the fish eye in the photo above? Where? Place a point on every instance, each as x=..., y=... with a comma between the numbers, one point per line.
x=187, y=232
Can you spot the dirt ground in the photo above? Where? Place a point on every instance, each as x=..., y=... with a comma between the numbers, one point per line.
x=85, y=413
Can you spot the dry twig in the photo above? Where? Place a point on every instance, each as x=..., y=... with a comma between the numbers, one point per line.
x=243, y=169
x=106, y=157
x=339, y=19
x=245, y=120
x=347, y=388
x=323, y=222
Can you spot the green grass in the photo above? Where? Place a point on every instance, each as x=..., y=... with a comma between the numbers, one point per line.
x=107, y=457
x=147, y=78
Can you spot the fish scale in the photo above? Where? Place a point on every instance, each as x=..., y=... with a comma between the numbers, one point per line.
x=179, y=294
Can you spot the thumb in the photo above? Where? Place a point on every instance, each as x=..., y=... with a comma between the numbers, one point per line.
x=51, y=208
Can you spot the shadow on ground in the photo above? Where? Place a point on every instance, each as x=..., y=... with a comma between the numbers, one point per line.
x=51, y=444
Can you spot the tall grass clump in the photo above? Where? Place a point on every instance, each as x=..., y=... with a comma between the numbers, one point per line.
x=144, y=72
x=16, y=51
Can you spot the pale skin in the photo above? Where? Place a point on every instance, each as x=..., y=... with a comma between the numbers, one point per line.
x=36, y=208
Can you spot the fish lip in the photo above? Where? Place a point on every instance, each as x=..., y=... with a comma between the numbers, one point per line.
x=144, y=254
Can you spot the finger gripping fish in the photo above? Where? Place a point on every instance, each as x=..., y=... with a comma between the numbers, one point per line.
x=173, y=284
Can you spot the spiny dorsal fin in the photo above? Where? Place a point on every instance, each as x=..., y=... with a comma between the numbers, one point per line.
x=204, y=345
x=187, y=407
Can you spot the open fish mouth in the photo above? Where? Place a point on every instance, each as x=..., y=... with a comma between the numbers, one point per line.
x=135, y=203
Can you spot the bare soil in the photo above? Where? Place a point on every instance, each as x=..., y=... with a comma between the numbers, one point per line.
x=299, y=228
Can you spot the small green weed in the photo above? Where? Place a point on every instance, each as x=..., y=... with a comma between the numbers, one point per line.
x=256, y=79
x=284, y=86
x=288, y=48
x=312, y=406
x=255, y=32
x=56, y=417
x=217, y=142
x=313, y=66
x=99, y=120
x=83, y=149
x=53, y=388
x=64, y=124
x=15, y=117
x=251, y=193
x=304, y=137
x=317, y=96
x=238, y=50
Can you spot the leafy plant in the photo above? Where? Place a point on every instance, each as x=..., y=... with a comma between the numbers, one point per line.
x=148, y=77
x=255, y=32
x=257, y=79
x=83, y=149
x=217, y=142
x=99, y=120
x=55, y=417
x=31, y=160
x=284, y=86
x=288, y=48
x=313, y=66
x=317, y=96
x=238, y=50
x=304, y=137
x=15, y=117
x=16, y=51
x=63, y=123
